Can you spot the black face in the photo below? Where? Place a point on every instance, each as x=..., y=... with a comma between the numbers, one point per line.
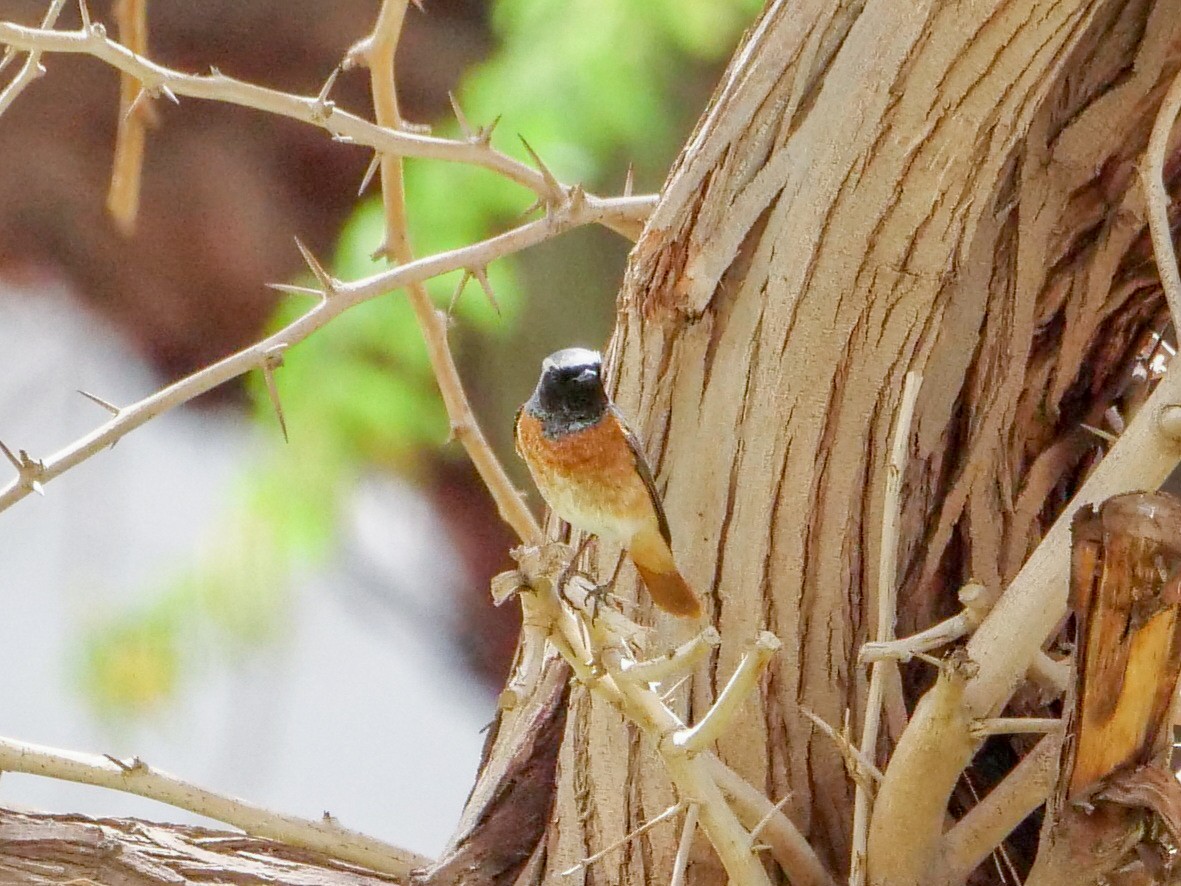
x=571, y=386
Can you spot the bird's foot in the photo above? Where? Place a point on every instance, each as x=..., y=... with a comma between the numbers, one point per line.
x=568, y=571
x=597, y=597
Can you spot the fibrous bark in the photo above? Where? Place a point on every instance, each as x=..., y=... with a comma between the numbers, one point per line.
x=49, y=850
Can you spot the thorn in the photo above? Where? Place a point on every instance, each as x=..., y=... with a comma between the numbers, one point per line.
x=418, y=5
x=666, y=694
x=934, y=662
x=467, y=275
x=12, y=458
x=28, y=468
x=382, y=252
x=135, y=765
x=322, y=96
x=322, y=106
x=532, y=207
x=370, y=171
x=327, y=284
x=328, y=817
x=98, y=31
x=342, y=139
x=272, y=361
x=136, y=103
x=766, y=819
x=630, y=181
x=480, y=273
x=169, y=94
x=84, y=11
x=295, y=290
x=551, y=183
x=1115, y=420
x=1099, y=432
x=461, y=119
x=215, y=71
x=109, y=407
x=484, y=135
x=9, y=55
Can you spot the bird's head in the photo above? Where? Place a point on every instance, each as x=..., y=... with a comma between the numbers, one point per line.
x=571, y=384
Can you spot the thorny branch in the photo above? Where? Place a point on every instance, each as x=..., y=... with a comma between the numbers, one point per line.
x=334, y=298
x=625, y=216
x=377, y=52
x=32, y=68
x=566, y=207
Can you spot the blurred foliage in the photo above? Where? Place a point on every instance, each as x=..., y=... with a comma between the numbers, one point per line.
x=593, y=85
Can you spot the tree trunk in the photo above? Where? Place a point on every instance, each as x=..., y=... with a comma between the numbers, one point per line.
x=945, y=188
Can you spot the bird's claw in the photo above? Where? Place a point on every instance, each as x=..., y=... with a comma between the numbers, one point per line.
x=597, y=597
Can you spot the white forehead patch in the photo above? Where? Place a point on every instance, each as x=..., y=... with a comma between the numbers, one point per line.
x=571, y=357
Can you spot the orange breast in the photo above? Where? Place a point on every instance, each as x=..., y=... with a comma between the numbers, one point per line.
x=588, y=477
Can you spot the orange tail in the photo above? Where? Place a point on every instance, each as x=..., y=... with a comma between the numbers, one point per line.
x=670, y=592
x=656, y=566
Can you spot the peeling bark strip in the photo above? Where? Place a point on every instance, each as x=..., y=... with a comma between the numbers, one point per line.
x=49, y=850
x=1126, y=597
x=510, y=805
x=875, y=188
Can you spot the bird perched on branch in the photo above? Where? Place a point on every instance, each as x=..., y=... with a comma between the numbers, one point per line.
x=591, y=471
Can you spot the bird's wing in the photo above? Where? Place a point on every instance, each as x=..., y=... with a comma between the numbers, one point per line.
x=517, y=421
x=646, y=475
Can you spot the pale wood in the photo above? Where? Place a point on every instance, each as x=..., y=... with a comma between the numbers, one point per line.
x=873, y=190
x=1126, y=599
x=38, y=849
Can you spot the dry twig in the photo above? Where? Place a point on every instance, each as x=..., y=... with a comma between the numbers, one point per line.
x=123, y=197
x=886, y=615
x=32, y=68
x=681, y=862
x=947, y=631
x=136, y=777
x=626, y=216
x=334, y=300
x=377, y=51
x=1152, y=175
x=624, y=840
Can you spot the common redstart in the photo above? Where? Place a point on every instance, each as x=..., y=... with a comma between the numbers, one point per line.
x=591, y=471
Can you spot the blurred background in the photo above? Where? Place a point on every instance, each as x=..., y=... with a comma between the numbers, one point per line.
x=303, y=624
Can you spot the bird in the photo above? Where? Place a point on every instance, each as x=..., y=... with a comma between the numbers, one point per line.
x=589, y=467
